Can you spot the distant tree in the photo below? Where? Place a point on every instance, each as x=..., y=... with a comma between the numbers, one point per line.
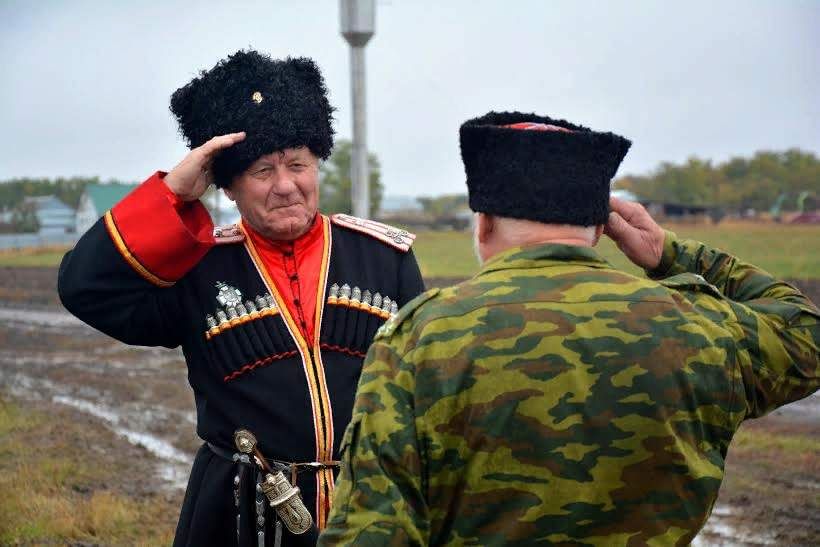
x=739, y=183
x=447, y=211
x=442, y=206
x=69, y=190
x=24, y=218
x=335, y=183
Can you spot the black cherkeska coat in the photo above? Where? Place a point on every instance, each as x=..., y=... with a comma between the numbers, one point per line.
x=296, y=396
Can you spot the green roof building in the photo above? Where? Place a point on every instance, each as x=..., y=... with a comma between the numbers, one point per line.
x=96, y=200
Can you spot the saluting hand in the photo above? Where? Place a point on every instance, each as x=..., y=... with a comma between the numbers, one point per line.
x=635, y=233
x=192, y=176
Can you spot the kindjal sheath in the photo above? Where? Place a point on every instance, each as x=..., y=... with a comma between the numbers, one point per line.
x=283, y=496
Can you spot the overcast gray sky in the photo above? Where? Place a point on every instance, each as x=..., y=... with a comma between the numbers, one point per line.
x=84, y=85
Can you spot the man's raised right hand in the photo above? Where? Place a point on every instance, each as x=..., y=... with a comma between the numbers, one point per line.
x=635, y=233
x=192, y=176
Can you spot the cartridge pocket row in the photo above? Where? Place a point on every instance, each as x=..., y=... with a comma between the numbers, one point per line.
x=246, y=336
x=352, y=317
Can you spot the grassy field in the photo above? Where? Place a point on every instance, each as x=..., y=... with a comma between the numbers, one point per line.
x=785, y=251
x=54, y=490
x=49, y=256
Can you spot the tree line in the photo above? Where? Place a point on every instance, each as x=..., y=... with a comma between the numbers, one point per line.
x=68, y=190
x=736, y=184
x=22, y=217
x=334, y=192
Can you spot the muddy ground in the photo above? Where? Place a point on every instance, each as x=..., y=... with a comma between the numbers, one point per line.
x=139, y=402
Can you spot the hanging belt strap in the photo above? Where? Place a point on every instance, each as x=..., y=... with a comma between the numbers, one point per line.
x=286, y=467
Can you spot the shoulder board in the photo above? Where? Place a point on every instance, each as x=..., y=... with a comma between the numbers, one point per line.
x=395, y=237
x=229, y=233
x=406, y=311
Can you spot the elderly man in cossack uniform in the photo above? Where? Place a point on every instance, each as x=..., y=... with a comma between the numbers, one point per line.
x=274, y=314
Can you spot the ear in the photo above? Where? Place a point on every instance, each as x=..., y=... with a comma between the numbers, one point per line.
x=599, y=230
x=484, y=227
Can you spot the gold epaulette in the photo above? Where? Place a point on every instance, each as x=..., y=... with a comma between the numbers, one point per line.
x=229, y=233
x=395, y=237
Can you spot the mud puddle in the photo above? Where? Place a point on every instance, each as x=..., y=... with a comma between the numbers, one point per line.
x=47, y=318
x=141, y=394
x=175, y=463
x=720, y=531
x=132, y=422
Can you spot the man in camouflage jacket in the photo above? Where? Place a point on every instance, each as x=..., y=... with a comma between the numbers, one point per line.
x=552, y=399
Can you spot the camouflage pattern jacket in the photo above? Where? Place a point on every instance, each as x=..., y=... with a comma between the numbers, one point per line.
x=554, y=400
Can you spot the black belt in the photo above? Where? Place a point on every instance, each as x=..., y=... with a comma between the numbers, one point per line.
x=245, y=466
x=286, y=467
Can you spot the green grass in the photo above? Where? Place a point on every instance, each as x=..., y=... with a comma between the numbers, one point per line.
x=53, y=496
x=785, y=251
x=32, y=257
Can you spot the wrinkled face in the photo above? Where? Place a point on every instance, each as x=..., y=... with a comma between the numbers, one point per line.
x=278, y=195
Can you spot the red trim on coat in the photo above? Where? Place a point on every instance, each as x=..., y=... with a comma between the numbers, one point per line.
x=341, y=349
x=258, y=363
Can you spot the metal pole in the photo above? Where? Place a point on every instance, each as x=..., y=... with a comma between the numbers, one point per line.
x=358, y=23
x=359, y=169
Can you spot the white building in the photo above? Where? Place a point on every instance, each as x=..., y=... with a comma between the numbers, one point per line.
x=96, y=200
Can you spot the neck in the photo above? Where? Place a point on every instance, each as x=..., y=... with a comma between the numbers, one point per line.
x=304, y=235
x=508, y=233
x=283, y=236
x=577, y=241
x=520, y=233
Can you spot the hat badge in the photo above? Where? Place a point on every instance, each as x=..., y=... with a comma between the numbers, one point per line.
x=257, y=97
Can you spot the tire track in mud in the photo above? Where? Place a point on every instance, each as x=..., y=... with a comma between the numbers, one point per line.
x=141, y=394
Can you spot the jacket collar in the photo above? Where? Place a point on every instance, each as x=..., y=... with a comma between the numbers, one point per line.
x=539, y=256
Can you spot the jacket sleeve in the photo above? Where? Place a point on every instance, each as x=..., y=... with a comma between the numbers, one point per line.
x=120, y=277
x=777, y=329
x=410, y=282
x=379, y=498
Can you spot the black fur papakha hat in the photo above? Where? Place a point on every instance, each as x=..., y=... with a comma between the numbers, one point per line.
x=536, y=168
x=278, y=103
